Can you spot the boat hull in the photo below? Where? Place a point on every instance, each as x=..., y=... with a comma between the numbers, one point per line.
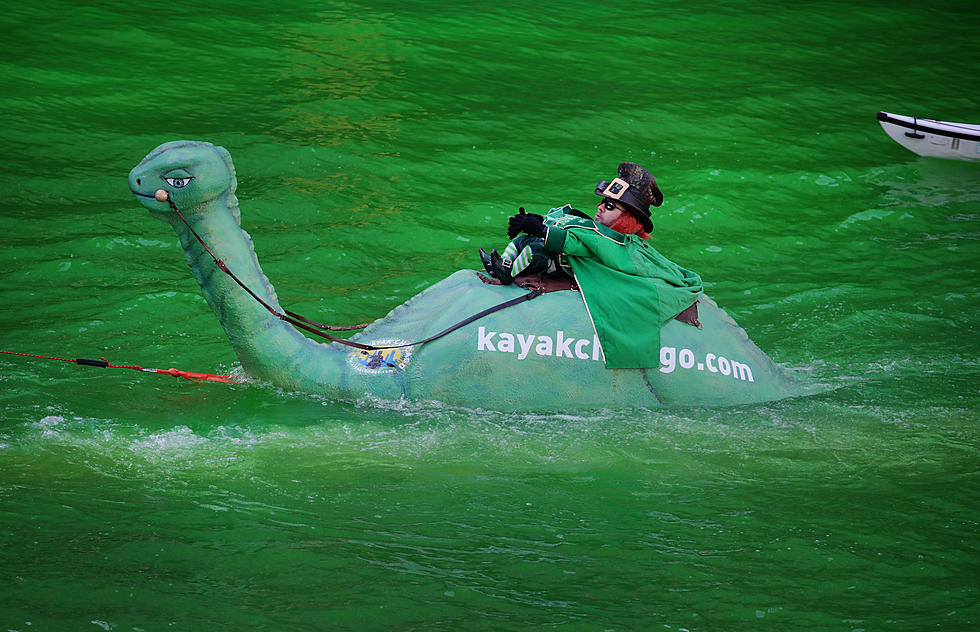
x=927, y=137
x=542, y=354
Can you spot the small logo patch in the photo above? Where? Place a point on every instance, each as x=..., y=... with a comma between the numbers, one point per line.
x=382, y=360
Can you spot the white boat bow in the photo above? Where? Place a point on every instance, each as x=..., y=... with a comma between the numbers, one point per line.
x=929, y=137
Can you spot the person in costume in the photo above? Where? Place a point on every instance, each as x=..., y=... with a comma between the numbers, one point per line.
x=630, y=289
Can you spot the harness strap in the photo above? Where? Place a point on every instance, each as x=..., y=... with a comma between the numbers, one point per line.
x=326, y=327
x=315, y=328
x=514, y=301
x=357, y=345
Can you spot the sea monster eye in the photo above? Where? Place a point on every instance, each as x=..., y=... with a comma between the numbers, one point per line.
x=178, y=183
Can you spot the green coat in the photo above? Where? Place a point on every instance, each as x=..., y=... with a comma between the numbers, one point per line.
x=630, y=289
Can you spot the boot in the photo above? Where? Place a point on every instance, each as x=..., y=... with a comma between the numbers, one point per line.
x=501, y=268
x=485, y=259
x=496, y=266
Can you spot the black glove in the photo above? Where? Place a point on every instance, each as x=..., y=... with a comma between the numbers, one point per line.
x=530, y=223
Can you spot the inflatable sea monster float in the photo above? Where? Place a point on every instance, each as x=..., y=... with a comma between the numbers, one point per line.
x=485, y=363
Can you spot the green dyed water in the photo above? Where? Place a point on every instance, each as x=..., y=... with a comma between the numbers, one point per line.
x=378, y=146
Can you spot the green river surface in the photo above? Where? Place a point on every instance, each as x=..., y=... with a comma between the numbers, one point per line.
x=378, y=146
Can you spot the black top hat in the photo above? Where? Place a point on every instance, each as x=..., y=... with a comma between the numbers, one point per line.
x=636, y=189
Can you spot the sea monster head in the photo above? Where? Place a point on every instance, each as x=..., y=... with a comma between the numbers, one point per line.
x=192, y=173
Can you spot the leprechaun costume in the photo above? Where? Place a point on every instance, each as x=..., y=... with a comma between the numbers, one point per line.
x=630, y=289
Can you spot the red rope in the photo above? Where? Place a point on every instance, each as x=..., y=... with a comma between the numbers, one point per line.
x=102, y=362
x=31, y=355
x=200, y=377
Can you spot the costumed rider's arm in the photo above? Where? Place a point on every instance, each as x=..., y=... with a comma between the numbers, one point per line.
x=581, y=242
x=530, y=223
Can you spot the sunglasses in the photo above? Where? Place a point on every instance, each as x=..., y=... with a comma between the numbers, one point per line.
x=609, y=205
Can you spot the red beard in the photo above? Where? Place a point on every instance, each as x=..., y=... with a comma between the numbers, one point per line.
x=629, y=225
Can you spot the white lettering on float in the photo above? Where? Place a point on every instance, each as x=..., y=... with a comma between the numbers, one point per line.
x=670, y=359
x=560, y=346
x=557, y=346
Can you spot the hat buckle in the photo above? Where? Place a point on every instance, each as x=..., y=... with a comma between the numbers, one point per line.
x=616, y=189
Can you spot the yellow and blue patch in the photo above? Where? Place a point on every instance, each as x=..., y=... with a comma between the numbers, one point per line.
x=382, y=360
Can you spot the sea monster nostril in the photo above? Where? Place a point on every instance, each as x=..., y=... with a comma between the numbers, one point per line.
x=138, y=183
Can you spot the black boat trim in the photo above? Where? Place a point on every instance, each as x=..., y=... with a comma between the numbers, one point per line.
x=922, y=125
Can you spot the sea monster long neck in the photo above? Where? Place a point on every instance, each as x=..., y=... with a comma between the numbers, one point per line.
x=266, y=346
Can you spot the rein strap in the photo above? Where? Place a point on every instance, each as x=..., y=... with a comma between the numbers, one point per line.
x=316, y=328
